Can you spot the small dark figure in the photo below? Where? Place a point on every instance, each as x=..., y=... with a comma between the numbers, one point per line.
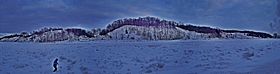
x=55, y=63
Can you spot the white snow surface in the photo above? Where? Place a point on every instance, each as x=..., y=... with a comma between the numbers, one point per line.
x=252, y=56
x=4, y=34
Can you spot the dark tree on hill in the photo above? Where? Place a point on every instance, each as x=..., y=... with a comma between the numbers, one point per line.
x=141, y=21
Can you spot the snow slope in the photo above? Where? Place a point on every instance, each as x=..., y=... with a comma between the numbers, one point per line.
x=143, y=57
x=3, y=34
x=146, y=33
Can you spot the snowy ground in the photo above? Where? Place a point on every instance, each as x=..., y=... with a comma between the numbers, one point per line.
x=151, y=57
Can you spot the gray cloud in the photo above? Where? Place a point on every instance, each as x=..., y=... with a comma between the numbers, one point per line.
x=25, y=15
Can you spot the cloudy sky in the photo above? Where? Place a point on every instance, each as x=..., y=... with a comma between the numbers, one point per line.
x=27, y=15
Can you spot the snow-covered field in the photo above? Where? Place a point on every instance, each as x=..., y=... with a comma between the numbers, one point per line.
x=138, y=57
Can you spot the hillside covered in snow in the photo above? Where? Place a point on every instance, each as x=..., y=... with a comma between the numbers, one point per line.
x=251, y=56
x=142, y=28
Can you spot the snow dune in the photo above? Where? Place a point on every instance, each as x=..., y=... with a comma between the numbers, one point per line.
x=253, y=56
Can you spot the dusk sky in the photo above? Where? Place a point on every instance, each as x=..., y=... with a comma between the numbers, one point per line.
x=28, y=15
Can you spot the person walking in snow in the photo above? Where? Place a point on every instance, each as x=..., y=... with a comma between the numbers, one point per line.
x=55, y=64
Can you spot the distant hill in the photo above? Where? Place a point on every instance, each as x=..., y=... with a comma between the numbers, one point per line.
x=142, y=28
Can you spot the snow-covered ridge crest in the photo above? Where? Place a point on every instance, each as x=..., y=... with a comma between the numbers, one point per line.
x=147, y=33
x=142, y=28
x=48, y=35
